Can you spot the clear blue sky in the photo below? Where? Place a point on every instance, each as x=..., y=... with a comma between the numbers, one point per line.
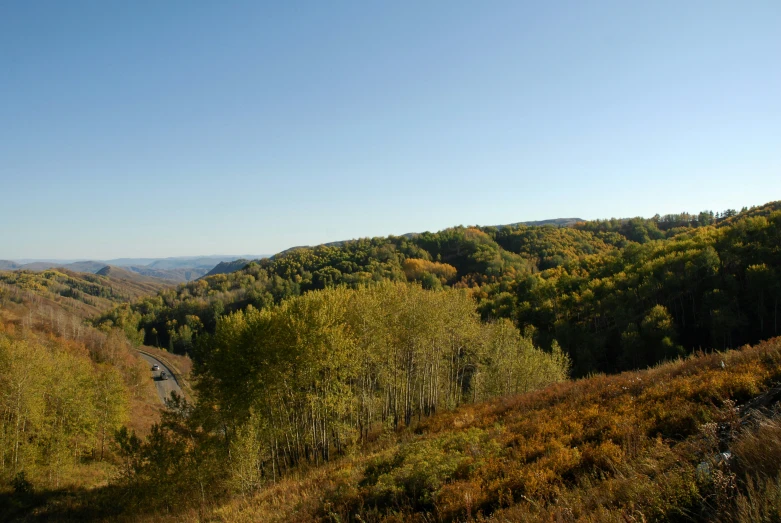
x=149, y=128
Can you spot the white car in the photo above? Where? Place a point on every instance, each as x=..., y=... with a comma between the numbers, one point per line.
x=155, y=367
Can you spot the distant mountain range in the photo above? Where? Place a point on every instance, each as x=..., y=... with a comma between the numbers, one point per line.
x=175, y=269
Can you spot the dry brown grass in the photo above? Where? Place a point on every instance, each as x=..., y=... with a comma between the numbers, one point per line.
x=759, y=502
x=758, y=450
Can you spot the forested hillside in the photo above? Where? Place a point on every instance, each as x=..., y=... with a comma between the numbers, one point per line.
x=84, y=294
x=345, y=363
x=614, y=294
x=394, y=378
x=65, y=388
x=305, y=382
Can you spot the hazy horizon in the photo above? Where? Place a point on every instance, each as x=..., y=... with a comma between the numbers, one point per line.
x=256, y=256
x=184, y=257
x=170, y=128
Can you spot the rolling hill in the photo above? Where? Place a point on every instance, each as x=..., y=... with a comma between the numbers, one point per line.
x=83, y=294
x=176, y=269
x=122, y=274
x=8, y=265
x=228, y=267
x=615, y=294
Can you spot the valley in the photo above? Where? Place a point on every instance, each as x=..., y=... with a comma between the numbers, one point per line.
x=521, y=372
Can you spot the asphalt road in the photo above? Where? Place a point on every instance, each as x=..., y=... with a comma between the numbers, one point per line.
x=164, y=387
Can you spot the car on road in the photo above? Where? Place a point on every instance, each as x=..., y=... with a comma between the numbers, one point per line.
x=163, y=375
x=155, y=367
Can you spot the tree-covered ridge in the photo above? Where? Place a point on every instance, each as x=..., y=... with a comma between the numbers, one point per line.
x=709, y=287
x=642, y=230
x=169, y=319
x=614, y=294
x=93, y=292
x=550, y=246
x=460, y=257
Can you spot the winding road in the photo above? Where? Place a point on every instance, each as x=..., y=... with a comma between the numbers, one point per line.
x=164, y=387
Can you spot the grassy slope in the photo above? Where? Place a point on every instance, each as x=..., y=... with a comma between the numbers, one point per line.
x=605, y=448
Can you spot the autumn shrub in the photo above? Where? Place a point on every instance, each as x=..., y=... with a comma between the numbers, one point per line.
x=413, y=475
x=415, y=269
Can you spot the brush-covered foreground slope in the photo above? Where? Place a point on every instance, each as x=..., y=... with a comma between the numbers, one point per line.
x=614, y=294
x=696, y=439
x=690, y=440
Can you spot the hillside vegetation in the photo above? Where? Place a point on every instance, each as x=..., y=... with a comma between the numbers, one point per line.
x=426, y=378
x=614, y=294
x=305, y=382
x=685, y=441
x=84, y=294
x=321, y=371
x=65, y=388
x=695, y=439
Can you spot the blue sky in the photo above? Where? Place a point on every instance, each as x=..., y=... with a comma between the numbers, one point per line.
x=173, y=128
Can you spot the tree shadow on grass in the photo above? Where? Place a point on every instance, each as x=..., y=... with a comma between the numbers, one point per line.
x=109, y=503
